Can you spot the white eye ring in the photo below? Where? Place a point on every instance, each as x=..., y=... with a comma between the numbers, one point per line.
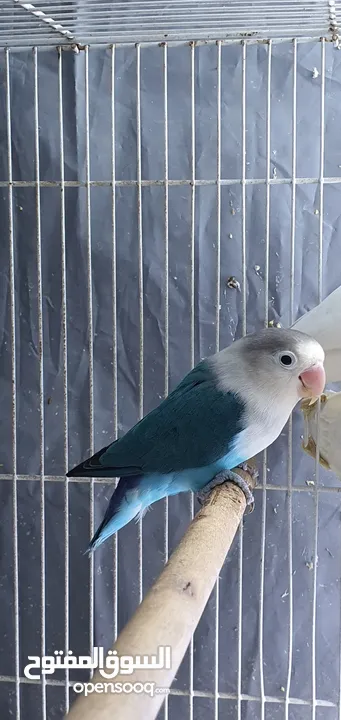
x=287, y=359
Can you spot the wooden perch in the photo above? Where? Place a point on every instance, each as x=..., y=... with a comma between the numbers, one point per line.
x=170, y=612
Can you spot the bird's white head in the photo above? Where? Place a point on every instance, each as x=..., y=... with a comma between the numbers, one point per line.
x=289, y=359
x=283, y=364
x=270, y=371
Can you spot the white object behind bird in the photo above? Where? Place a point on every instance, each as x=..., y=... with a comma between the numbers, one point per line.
x=329, y=423
x=324, y=324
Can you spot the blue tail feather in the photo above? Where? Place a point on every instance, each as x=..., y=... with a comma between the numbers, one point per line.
x=135, y=493
x=124, y=505
x=133, y=496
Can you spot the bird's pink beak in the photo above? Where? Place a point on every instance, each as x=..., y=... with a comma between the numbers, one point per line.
x=313, y=381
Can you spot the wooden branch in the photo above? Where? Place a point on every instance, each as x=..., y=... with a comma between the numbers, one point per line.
x=171, y=610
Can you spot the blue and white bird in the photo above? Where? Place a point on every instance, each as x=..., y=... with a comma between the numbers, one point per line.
x=229, y=408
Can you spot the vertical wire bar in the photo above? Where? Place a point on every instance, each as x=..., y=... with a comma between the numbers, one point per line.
x=293, y=186
x=291, y=320
x=217, y=594
x=65, y=377
x=218, y=194
x=240, y=554
x=114, y=318
x=192, y=322
x=192, y=258
x=91, y=338
x=140, y=279
x=165, y=94
x=268, y=157
x=266, y=319
x=14, y=391
x=41, y=374
x=244, y=186
x=319, y=293
x=166, y=205
x=321, y=178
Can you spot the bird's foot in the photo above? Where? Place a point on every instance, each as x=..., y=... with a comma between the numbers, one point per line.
x=229, y=476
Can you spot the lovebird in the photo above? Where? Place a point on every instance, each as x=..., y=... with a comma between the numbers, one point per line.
x=229, y=408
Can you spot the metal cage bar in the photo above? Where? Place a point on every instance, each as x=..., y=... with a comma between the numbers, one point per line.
x=114, y=319
x=12, y=268
x=266, y=317
x=276, y=700
x=158, y=21
x=41, y=375
x=319, y=298
x=65, y=373
x=90, y=337
x=166, y=287
x=140, y=283
x=192, y=315
x=243, y=255
x=290, y=429
x=217, y=348
x=323, y=489
x=226, y=182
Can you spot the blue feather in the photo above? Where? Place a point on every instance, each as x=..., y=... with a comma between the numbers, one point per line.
x=133, y=495
x=179, y=446
x=193, y=427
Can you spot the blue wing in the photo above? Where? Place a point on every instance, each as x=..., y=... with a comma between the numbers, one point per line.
x=193, y=427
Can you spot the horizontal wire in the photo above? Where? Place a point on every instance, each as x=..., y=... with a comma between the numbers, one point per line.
x=174, y=183
x=47, y=42
x=75, y=20
x=160, y=4
x=183, y=693
x=183, y=31
x=181, y=20
x=110, y=481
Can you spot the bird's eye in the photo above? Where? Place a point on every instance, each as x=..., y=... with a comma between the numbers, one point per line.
x=287, y=359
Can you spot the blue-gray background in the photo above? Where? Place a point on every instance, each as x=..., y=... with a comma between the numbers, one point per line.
x=276, y=601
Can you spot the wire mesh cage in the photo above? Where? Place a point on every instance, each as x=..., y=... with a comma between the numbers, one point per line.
x=94, y=21
x=170, y=180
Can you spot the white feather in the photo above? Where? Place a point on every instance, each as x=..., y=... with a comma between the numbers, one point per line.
x=329, y=430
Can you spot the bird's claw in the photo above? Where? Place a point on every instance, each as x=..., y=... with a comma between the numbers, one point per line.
x=217, y=480
x=254, y=474
x=229, y=476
